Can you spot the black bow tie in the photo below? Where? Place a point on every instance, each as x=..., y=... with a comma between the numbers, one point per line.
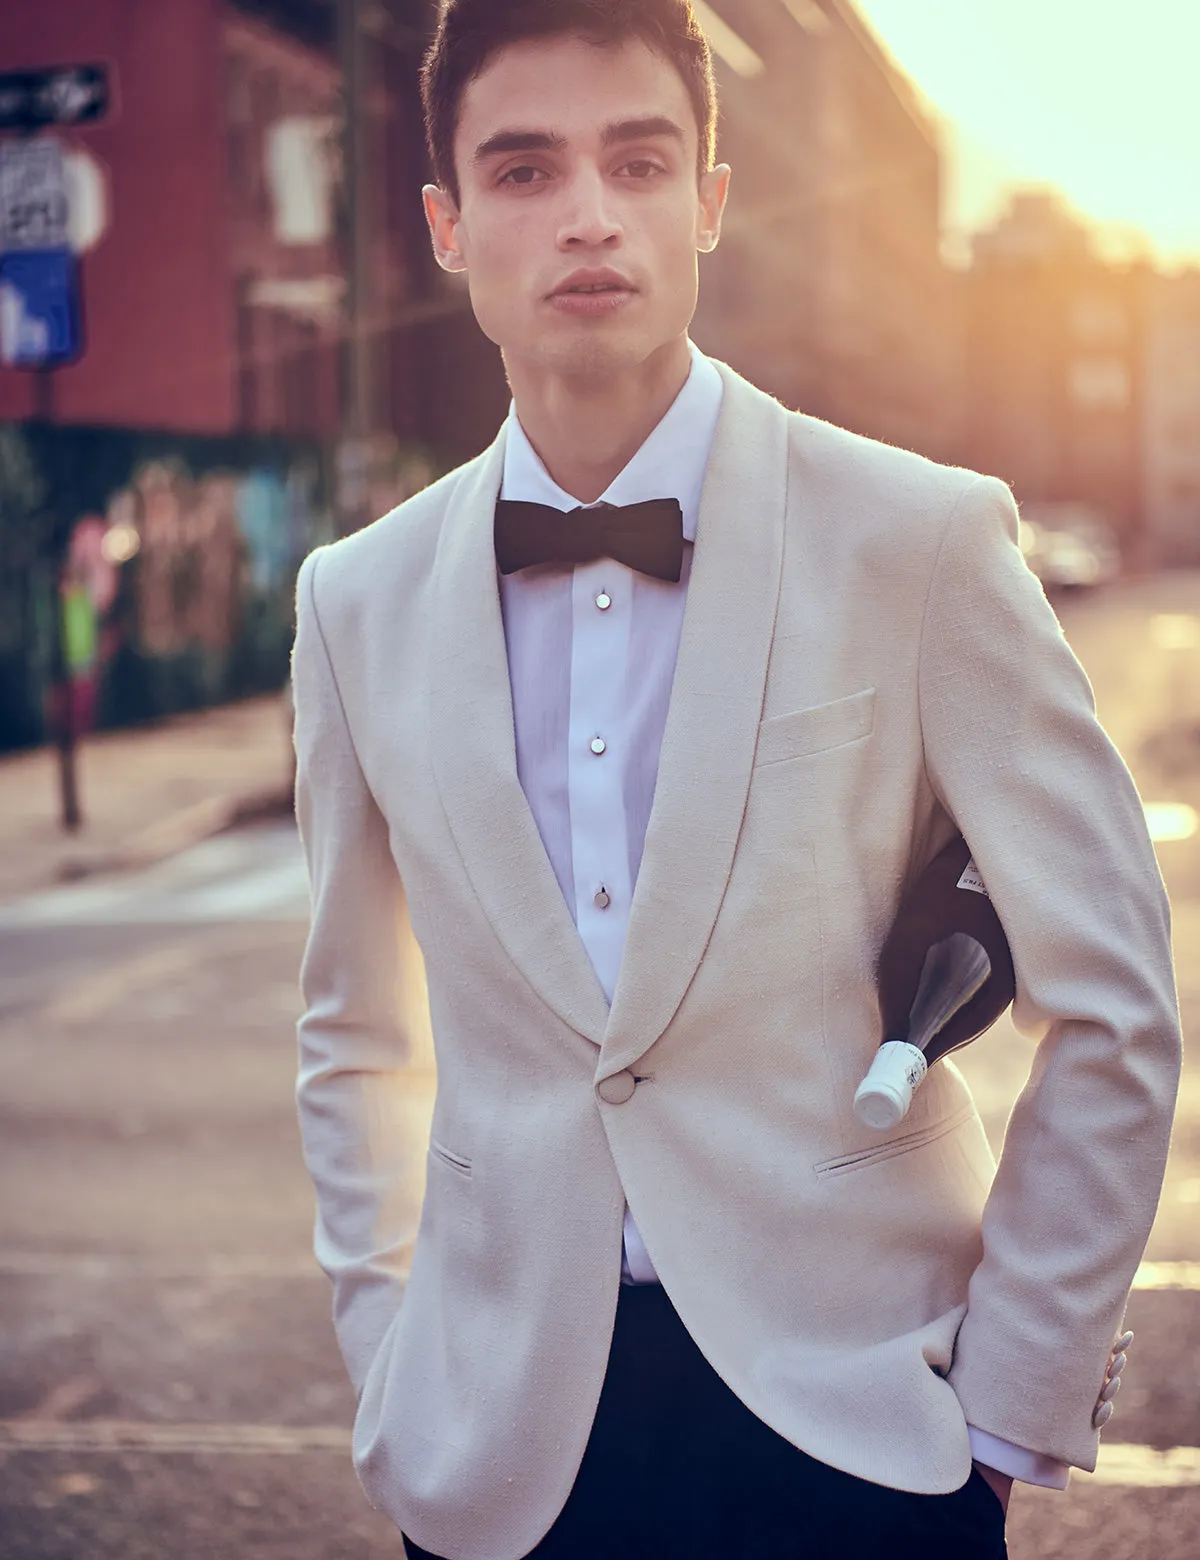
x=648, y=536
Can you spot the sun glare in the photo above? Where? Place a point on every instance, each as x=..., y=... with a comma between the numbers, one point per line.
x=1096, y=99
x=1170, y=821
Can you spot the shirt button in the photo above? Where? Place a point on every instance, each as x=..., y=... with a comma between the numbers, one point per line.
x=598, y=745
x=604, y=601
x=601, y=898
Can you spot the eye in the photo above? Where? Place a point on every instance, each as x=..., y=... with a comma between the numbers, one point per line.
x=523, y=175
x=642, y=168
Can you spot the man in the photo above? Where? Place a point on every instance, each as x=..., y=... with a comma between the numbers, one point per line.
x=651, y=780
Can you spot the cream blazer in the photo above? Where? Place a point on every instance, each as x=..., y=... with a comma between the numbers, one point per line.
x=866, y=663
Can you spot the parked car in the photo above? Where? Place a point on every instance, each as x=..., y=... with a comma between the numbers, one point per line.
x=1068, y=547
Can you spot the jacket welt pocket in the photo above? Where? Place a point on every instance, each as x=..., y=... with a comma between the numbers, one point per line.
x=816, y=729
x=449, y=1157
x=877, y=1152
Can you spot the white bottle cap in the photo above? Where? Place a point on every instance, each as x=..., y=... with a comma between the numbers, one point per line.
x=882, y=1099
x=881, y=1105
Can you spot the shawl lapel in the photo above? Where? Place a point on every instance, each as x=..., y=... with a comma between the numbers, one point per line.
x=712, y=724
x=475, y=765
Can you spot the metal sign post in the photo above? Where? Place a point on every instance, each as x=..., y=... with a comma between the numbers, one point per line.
x=40, y=299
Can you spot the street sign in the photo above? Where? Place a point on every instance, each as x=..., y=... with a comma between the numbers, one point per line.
x=33, y=195
x=39, y=308
x=58, y=95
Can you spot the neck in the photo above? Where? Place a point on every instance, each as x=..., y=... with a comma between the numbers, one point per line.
x=586, y=430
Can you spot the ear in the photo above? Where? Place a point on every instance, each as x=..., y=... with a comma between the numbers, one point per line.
x=714, y=192
x=443, y=217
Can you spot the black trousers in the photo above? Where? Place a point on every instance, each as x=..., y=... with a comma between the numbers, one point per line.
x=677, y=1468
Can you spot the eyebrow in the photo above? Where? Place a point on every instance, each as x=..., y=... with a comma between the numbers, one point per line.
x=641, y=130
x=518, y=141
x=506, y=141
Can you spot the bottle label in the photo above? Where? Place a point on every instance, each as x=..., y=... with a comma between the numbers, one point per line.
x=971, y=880
x=899, y=1056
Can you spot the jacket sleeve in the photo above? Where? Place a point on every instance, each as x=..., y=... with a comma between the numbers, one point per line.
x=1016, y=755
x=353, y=1042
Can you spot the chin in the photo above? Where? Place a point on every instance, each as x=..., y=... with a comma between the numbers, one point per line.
x=591, y=357
x=593, y=353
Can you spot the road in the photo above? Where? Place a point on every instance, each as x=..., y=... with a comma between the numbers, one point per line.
x=168, y=1381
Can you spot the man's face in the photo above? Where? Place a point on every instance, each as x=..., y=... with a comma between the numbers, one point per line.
x=580, y=215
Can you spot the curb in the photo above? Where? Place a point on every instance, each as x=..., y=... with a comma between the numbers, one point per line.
x=178, y=832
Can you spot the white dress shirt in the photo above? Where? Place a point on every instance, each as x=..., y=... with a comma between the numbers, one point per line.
x=591, y=658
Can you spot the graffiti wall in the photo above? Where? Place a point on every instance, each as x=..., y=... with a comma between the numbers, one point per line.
x=171, y=585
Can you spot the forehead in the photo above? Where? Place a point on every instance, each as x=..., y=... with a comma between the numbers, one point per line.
x=572, y=89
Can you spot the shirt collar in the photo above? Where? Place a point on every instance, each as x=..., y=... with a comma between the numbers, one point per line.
x=670, y=464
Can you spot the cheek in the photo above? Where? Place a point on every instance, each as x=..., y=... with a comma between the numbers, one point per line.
x=502, y=253
x=669, y=234
x=677, y=266
x=493, y=269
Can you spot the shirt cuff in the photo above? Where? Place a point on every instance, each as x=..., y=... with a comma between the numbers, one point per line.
x=1017, y=1461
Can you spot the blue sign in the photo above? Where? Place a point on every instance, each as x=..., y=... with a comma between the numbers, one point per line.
x=39, y=308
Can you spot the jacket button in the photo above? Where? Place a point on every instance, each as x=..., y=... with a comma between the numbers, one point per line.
x=617, y=1089
x=1110, y=1390
x=1122, y=1343
x=1116, y=1365
x=1102, y=1415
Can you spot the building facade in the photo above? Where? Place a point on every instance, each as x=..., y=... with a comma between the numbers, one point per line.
x=280, y=118
x=1054, y=367
x=211, y=293
x=829, y=287
x=158, y=305
x=189, y=441
x=1171, y=421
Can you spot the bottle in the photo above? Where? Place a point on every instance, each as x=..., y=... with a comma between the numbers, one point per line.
x=945, y=975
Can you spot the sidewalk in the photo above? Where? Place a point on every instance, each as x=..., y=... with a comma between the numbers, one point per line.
x=145, y=793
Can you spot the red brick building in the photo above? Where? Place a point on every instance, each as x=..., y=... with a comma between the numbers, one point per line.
x=205, y=312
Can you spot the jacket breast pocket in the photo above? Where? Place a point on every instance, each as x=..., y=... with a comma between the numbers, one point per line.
x=816, y=729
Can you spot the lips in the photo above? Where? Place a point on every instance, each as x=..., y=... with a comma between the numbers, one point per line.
x=592, y=294
x=590, y=282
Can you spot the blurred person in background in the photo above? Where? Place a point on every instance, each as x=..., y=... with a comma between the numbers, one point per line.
x=649, y=713
x=87, y=589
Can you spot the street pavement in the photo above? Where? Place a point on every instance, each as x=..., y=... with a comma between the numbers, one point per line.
x=146, y=793
x=168, y=1381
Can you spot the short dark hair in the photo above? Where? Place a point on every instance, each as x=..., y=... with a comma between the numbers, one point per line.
x=469, y=32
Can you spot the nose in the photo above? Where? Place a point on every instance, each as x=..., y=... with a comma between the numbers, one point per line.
x=589, y=220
